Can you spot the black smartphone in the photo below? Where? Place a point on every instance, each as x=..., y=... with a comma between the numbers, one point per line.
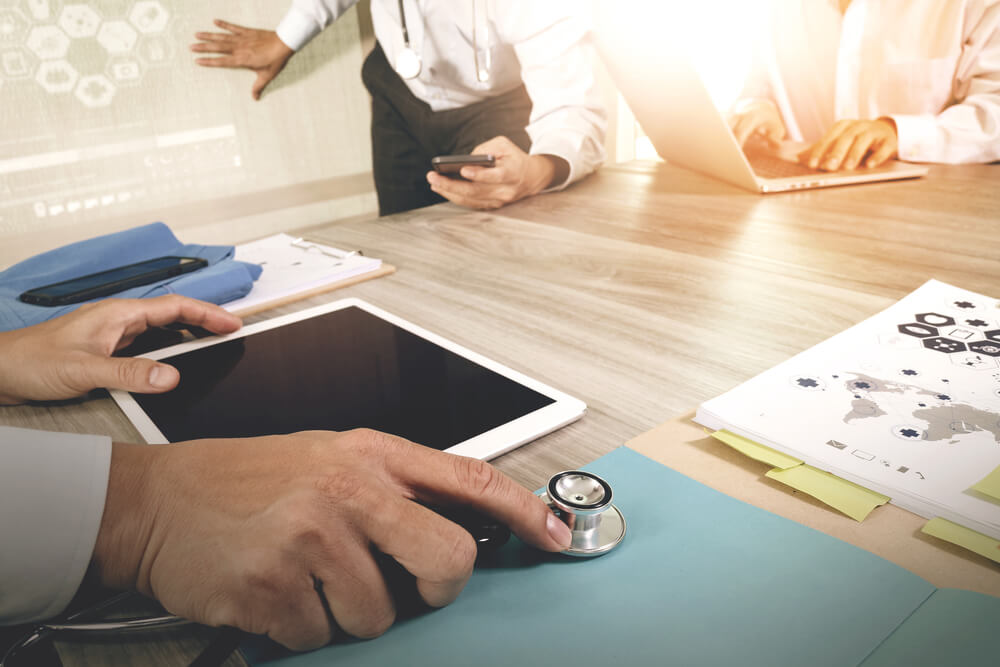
x=452, y=164
x=112, y=281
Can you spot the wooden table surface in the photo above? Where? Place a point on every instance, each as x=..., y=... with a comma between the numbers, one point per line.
x=647, y=289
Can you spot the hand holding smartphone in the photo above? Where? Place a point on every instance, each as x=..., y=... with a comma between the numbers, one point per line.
x=451, y=165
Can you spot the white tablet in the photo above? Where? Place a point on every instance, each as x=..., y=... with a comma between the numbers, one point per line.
x=345, y=365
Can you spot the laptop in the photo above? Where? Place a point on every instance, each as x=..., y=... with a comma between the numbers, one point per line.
x=675, y=109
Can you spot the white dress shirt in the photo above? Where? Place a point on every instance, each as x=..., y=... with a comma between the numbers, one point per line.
x=544, y=44
x=52, y=492
x=933, y=66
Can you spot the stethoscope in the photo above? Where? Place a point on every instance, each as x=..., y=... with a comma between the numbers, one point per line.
x=580, y=499
x=408, y=64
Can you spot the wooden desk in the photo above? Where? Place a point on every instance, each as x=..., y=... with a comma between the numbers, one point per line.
x=647, y=289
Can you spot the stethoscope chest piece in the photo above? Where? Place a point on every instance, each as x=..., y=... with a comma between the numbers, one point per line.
x=408, y=63
x=582, y=500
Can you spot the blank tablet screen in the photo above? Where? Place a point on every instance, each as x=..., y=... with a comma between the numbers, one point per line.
x=341, y=370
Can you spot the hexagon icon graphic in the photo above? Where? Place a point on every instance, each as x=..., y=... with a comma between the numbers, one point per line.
x=41, y=10
x=117, y=37
x=990, y=348
x=95, y=91
x=13, y=26
x=48, y=42
x=974, y=361
x=946, y=345
x=149, y=16
x=79, y=21
x=57, y=76
x=993, y=335
x=917, y=329
x=124, y=70
x=935, y=319
x=16, y=64
x=155, y=50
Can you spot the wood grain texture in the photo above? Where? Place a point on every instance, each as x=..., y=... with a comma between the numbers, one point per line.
x=647, y=289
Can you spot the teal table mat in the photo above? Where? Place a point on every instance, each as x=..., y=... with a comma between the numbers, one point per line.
x=701, y=579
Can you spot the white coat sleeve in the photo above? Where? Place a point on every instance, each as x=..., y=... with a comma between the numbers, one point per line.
x=306, y=18
x=969, y=130
x=52, y=492
x=556, y=54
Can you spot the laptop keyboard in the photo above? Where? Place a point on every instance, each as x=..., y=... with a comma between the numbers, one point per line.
x=772, y=166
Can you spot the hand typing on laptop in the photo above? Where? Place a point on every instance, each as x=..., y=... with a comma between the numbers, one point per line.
x=850, y=144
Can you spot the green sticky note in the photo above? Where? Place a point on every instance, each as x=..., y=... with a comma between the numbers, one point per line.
x=855, y=501
x=757, y=452
x=964, y=537
x=989, y=485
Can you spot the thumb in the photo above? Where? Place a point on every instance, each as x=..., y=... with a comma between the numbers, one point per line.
x=143, y=376
x=264, y=77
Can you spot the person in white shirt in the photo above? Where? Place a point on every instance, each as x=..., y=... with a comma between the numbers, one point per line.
x=511, y=78
x=271, y=535
x=868, y=80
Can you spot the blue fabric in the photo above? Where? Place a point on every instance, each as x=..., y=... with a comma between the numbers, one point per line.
x=224, y=279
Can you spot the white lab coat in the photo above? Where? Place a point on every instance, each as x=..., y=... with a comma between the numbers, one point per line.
x=545, y=45
x=933, y=66
x=52, y=492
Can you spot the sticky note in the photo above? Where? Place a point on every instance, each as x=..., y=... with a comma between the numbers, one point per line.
x=853, y=500
x=966, y=538
x=989, y=485
x=757, y=452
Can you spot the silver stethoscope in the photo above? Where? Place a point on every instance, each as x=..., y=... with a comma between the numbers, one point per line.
x=580, y=499
x=408, y=64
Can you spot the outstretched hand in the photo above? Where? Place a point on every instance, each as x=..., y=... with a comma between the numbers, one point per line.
x=71, y=355
x=259, y=51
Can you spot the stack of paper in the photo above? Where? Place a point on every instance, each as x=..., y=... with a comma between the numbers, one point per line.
x=295, y=268
x=906, y=403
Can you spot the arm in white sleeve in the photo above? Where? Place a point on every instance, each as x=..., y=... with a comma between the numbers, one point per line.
x=306, y=18
x=568, y=119
x=52, y=493
x=968, y=131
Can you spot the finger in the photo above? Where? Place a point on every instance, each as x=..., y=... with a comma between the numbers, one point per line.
x=468, y=201
x=885, y=151
x=221, y=61
x=438, y=553
x=774, y=132
x=214, y=37
x=141, y=314
x=743, y=130
x=264, y=77
x=143, y=376
x=833, y=160
x=355, y=591
x=299, y=620
x=819, y=149
x=231, y=27
x=448, y=479
x=859, y=148
x=495, y=175
x=212, y=47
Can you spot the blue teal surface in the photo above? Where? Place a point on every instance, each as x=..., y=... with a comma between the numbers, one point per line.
x=952, y=628
x=701, y=579
x=224, y=280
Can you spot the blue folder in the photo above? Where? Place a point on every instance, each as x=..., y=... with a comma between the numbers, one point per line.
x=225, y=279
x=701, y=579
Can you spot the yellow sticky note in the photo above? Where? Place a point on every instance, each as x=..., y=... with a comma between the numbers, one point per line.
x=855, y=501
x=757, y=452
x=989, y=485
x=966, y=538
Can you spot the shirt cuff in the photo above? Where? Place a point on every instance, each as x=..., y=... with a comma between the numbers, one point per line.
x=570, y=148
x=918, y=137
x=52, y=492
x=297, y=28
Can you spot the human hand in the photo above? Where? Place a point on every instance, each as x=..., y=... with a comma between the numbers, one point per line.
x=276, y=535
x=260, y=51
x=851, y=142
x=70, y=355
x=757, y=118
x=516, y=175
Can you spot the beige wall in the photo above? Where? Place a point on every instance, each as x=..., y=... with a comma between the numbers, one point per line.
x=107, y=124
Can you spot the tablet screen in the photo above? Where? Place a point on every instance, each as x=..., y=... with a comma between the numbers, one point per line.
x=340, y=370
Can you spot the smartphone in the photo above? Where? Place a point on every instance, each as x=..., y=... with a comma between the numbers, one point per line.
x=111, y=281
x=452, y=164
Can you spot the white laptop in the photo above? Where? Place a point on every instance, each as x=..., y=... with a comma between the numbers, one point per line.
x=675, y=109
